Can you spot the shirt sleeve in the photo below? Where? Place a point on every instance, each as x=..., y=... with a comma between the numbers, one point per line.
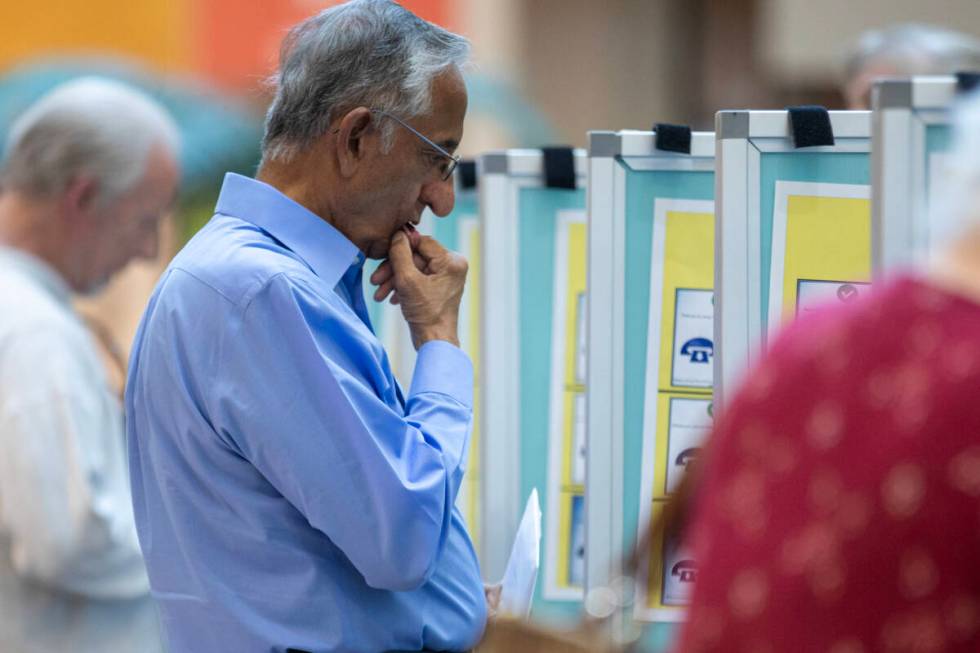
x=301, y=399
x=64, y=492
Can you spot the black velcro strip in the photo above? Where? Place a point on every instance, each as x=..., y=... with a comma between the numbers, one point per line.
x=967, y=81
x=467, y=174
x=673, y=138
x=559, y=167
x=811, y=126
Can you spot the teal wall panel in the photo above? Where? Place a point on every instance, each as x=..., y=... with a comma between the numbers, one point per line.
x=537, y=226
x=643, y=188
x=817, y=167
x=938, y=139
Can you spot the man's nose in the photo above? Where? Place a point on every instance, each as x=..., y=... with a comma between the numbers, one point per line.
x=440, y=196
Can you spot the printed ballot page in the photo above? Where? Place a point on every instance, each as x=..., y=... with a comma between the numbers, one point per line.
x=517, y=585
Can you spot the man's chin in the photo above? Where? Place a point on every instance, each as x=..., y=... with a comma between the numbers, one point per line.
x=377, y=253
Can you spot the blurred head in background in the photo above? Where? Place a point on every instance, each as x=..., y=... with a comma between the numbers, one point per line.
x=369, y=106
x=89, y=171
x=903, y=50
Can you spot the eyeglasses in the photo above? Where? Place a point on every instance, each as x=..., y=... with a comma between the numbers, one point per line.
x=453, y=160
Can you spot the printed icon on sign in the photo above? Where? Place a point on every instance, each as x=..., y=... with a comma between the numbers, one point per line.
x=687, y=457
x=847, y=293
x=680, y=572
x=686, y=571
x=698, y=350
x=576, y=544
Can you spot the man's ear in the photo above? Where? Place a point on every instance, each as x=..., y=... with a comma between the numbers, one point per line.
x=81, y=196
x=352, y=139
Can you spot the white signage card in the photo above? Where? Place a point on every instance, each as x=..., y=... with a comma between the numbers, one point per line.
x=811, y=295
x=693, y=338
x=680, y=573
x=689, y=424
x=578, y=445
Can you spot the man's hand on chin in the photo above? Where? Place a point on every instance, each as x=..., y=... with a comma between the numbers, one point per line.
x=427, y=280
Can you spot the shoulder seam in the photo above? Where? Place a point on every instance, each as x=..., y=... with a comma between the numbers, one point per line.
x=258, y=287
x=204, y=283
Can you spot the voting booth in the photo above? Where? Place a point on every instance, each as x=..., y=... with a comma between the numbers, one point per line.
x=533, y=264
x=909, y=142
x=651, y=351
x=793, y=224
x=460, y=232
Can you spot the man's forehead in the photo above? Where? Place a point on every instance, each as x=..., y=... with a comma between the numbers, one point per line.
x=449, y=100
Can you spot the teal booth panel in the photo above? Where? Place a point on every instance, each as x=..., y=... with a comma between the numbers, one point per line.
x=537, y=231
x=450, y=234
x=643, y=188
x=815, y=167
x=939, y=139
x=911, y=127
x=446, y=230
x=376, y=310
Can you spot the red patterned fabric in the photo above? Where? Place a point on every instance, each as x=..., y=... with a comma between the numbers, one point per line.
x=840, y=505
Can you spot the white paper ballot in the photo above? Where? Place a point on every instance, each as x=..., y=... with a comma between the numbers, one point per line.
x=517, y=585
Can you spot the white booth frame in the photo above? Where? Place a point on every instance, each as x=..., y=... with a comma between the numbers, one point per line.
x=903, y=111
x=503, y=175
x=606, y=200
x=741, y=139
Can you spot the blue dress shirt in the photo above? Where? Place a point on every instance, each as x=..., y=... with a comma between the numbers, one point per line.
x=286, y=494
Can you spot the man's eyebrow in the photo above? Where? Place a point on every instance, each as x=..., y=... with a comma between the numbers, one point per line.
x=449, y=144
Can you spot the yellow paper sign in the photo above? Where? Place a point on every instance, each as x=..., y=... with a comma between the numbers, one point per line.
x=678, y=405
x=821, y=247
x=566, y=457
x=469, y=239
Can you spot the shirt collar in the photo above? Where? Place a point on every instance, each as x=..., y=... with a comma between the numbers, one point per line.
x=327, y=251
x=38, y=271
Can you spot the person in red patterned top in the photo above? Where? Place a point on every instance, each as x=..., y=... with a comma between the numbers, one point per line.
x=838, y=508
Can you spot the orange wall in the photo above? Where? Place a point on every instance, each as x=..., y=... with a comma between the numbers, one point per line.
x=233, y=43
x=152, y=31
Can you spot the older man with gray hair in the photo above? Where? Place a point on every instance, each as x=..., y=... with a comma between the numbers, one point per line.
x=902, y=50
x=289, y=495
x=89, y=171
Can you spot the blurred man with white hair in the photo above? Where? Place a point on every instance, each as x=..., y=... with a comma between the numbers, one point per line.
x=904, y=50
x=89, y=170
x=289, y=495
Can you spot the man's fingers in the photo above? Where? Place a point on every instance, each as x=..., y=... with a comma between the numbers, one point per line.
x=394, y=298
x=400, y=256
x=430, y=248
x=382, y=274
x=420, y=262
x=382, y=291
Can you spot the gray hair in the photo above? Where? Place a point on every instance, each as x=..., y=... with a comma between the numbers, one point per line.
x=371, y=53
x=915, y=49
x=89, y=126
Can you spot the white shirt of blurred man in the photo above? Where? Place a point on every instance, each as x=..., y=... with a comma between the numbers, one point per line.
x=89, y=170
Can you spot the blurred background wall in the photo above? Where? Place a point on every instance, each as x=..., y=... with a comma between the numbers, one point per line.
x=545, y=71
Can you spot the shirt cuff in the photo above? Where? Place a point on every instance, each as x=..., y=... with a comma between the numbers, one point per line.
x=443, y=368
